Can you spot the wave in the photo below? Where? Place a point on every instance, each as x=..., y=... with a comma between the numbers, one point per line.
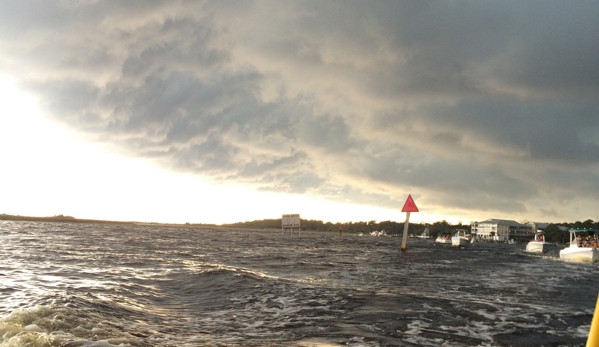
x=52, y=325
x=218, y=305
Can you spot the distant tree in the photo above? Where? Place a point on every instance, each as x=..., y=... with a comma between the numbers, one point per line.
x=439, y=228
x=554, y=234
x=588, y=223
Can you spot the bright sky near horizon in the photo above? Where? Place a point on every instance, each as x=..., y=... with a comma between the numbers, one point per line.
x=218, y=112
x=49, y=170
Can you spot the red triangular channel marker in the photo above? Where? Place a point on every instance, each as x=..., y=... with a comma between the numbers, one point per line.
x=409, y=206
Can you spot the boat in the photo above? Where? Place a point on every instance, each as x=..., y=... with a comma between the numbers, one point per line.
x=443, y=238
x=378, y=233
x=460, y=239
x=581, y=248
x=425, y=234
x=537, y=245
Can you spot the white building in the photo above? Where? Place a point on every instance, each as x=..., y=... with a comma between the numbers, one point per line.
x=502, y=230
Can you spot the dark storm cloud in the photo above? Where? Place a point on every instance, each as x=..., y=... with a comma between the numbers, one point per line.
x=482, y=108
x=562, y=131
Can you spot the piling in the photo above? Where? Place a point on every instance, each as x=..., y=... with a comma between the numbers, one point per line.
x=404, y=239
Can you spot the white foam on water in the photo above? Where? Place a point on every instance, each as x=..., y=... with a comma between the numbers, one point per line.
x=486, y=314
x=101, y=343
x=356, y=341
x=46, y=326
x=368, y=327
x=482, y=331
x=430, y=307
x=580, y=331
x=33, y=327
x=415, y=327
x=478, y=330
x=318, y=342
x=421, y=341
x=359, y=342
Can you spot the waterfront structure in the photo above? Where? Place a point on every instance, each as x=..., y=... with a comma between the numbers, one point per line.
x=503, y=230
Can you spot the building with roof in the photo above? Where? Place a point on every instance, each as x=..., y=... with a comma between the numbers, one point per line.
x=503, y=230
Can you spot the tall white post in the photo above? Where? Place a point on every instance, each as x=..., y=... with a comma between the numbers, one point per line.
x=404, y=239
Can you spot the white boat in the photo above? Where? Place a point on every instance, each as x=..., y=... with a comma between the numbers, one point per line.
x=460, y=239
x=538, y=244
x=425, y=234
x=581, y=248
x=378, y=233
x=443, y=238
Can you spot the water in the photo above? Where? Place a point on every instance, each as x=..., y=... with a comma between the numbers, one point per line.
x=96, y=285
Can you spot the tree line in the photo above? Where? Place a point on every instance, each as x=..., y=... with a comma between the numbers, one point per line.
x=390, y=227
x=553, y=232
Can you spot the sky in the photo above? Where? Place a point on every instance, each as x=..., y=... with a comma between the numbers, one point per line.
x=227, y=111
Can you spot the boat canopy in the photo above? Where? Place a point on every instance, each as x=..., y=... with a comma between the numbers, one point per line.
x=582, y=230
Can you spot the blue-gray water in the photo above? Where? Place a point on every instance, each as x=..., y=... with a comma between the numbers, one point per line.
x=136, y=285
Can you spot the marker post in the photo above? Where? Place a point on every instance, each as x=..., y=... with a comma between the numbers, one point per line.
x=291, y=221
x=408, y=207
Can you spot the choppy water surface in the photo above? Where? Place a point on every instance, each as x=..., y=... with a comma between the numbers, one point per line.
x=137, y=285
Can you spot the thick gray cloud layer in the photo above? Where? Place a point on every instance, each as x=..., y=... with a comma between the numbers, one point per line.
x=478, y=109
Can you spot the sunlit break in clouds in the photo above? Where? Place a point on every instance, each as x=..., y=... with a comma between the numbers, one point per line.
x=336, y=110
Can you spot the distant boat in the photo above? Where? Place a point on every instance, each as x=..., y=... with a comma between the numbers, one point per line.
x=581, y=249
x=443, y=238
x=460, y=239
x=538, y=244
x=378, y=233
x=425, y=234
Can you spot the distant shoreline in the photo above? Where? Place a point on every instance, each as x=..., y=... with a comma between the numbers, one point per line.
x=69, y=219
x=59, y=218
